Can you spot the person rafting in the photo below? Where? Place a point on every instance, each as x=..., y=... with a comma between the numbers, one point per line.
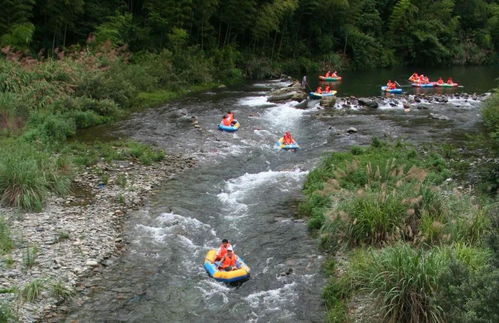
x=414, y=77
x=421, y=79
x=450, y=81
x=226, y=121
x=319, y=90
x=230, y=115
x=327, y=89
x=335, y=74
x=440, y=81
x=287, y=139
x=229, y=261
x=328, y=74
x=391, y=85
x=222, y=250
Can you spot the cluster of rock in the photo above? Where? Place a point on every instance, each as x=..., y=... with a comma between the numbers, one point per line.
x=77, y=234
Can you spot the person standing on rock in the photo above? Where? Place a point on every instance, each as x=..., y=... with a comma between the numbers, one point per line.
x=304, y=82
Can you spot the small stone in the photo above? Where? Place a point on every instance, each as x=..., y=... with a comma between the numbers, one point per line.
x=91, y=263
x=352, y=130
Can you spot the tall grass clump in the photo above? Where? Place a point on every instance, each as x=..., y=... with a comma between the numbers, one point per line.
x=60, y=291
x=382, y=194
x=490, y=116
x=6, y=243
x=27, y=175
x=405, y=281
x=32, y=290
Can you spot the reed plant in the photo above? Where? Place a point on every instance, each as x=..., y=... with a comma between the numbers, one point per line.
x=6, y=243
x=31, y=291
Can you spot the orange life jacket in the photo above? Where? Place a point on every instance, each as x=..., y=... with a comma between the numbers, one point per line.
x=440, y=81
x=227, y=261
x=287, y=140
x=319, y=90
x=226, y=121
x=327, y=74
x=222, y=251
x=230, y=116
x=450, y=81
x=327, y=89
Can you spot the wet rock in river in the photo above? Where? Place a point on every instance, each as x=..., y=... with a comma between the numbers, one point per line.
x=352, y=130
x=438, y=116
x=368, y=103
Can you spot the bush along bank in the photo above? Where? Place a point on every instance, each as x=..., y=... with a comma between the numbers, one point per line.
x=62, y=203
x=398, y=232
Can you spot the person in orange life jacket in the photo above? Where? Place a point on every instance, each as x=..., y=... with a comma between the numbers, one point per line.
x=328, y=74
x=335, y=74
x=327, y=89
x=440, y=81
x=450, y=81
x=287, y=139
x=226, y=121
x=230, y=115
x=426, y=80
x=229, y=261
x=222, y=250
x=390, y=85
x=319, y=90
x=414, y=76
x=421, y=78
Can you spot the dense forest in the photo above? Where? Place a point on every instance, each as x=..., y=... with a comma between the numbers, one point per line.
x=343, y=33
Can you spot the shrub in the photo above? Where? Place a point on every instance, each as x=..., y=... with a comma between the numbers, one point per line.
x=490, y=116
x=144, y=153
x=405, y=281
x=6, y=314
x=28, y=175
x=29, y=257
x=6, y=243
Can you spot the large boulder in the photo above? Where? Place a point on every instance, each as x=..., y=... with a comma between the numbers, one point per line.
x=368, y=103
x=328, y=101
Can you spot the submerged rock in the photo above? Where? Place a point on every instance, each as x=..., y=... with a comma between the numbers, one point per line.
x=368, y=103
x=438, y=116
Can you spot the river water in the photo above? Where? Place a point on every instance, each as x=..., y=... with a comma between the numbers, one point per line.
x=245, y=191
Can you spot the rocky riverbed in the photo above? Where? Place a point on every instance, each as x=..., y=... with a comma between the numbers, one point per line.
x=75, y=236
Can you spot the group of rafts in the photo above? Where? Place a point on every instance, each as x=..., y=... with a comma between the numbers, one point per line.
x=230, y=124
x=420, y=81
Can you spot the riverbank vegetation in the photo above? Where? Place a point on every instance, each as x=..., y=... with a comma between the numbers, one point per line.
x=406, y=242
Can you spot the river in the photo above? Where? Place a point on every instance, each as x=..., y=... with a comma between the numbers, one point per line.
x=245, y=191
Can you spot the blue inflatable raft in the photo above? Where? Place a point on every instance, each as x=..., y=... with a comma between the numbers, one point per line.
x=232, y=128
x=384, y=88
x=279, y=145
x=423, y=84
x=315, y=95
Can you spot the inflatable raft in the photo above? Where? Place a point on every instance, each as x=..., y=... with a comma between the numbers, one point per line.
x=447, y=85
x=329, y=78
x=431, y=84
x=225, y=276
x=280, y=145
x=232, y=128
x=384, y=88
x=315, y=95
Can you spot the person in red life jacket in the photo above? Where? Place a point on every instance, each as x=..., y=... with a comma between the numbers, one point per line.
x=335, y=74
x=414, y=77
x=390, y=85
x=229, y=261
x=230, y=115
x=328, y=74
x=287, y=139
x=440, y=81
x=319, y=90
x=421, y=78
x=426, y=80
x=450, y=81
x=327, y=89
x=222, y=250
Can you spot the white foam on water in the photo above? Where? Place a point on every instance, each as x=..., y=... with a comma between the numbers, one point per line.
x=274, y=299
x=283, y=117
x=254, y=101
x=237, y=190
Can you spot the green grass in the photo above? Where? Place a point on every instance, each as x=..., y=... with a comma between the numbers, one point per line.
x=31, y=291
x=29, y=257
x=6, y=243
x=405, y=280
x=60, y=291
x=28, y=175
x=6, y=314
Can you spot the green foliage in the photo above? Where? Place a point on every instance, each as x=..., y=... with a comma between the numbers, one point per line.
x=6, y=314
x=490, y=116
x=31, y=291
x=29, y=257
x=19, y=36
x=6, y=243
x=60, y=291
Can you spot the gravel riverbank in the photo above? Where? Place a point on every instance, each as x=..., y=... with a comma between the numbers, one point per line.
x=75, y=236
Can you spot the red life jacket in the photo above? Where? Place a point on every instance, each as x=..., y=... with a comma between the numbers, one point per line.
x=319, y=90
